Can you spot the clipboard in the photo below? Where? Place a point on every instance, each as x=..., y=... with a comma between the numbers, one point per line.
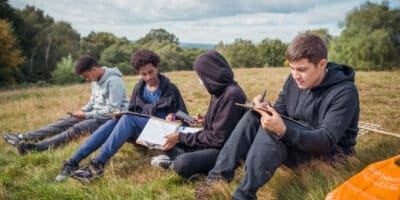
x=155, y=130
x=127, y=112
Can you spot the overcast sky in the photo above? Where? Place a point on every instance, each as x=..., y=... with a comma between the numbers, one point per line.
x=201, y=21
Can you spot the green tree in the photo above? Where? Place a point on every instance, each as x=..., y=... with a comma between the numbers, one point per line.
x=10, y=55
x=171, y=55
x=370, y=39
x=323, y=33
x=44, y=43
x=95, y=43
x=159, y=35
x=119, y=54
x=65, y=72
x=241, y=53
x=271, y=53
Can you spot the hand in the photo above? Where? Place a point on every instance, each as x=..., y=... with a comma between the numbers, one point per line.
x=170, y=117
x=271, y=121
x=199, y=119
x=172, y=140
x=78, y=114
x=258, y=103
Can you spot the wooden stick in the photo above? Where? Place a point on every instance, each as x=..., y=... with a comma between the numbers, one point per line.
x=379, y=131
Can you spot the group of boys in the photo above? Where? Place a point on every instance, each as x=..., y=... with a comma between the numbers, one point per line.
x=314, y=117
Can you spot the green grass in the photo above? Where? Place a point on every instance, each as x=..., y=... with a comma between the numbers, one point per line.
x=128, y=174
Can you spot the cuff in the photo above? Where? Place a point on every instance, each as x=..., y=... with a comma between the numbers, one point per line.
x=291, y=135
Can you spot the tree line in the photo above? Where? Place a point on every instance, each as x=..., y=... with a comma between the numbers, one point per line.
x=36, y=48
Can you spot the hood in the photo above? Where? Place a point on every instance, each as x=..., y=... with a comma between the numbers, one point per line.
x=214, y=71
x=109, y=72
x=337, y=73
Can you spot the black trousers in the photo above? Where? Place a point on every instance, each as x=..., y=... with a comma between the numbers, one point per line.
x=263, y=154
x=192, y=161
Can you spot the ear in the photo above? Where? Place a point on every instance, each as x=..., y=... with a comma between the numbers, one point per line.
x=322, y=64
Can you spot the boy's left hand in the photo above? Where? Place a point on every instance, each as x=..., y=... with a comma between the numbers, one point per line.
x=272, y=121
x=172, y=140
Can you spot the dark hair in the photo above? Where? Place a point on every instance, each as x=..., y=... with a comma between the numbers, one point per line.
x=308, y=46
x=85, y=63
x=143, y=57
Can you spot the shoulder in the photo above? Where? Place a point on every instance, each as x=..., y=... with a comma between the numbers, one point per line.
x=235, y=92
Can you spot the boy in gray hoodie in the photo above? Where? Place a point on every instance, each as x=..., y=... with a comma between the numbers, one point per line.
x=108, y=95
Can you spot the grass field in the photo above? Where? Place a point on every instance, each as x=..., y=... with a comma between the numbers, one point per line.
x=128, y=174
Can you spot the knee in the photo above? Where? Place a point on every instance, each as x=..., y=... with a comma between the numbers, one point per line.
x=250, y=117
x=181, y=166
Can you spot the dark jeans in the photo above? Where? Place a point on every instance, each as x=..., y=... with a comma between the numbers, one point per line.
x=111, y=136
x=63, y=130
x=263, y=154
x=192, y=161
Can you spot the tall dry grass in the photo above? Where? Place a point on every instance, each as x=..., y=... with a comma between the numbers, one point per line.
x=128, y=174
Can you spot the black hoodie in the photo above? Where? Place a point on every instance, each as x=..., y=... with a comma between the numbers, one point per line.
x=222, y=115
x=332, y=108
x=170, y=99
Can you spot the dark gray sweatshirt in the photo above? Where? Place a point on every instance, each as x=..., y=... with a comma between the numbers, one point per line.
x=332, y=108
x=222, y=114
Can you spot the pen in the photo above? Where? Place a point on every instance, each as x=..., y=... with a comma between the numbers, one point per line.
x=263, y=95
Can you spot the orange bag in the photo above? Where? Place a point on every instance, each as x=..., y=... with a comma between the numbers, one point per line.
x=380, y=180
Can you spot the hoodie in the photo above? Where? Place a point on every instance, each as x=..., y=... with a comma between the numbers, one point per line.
x=108, y=95
x=222, y=114
x=332, y=109
x=170, y=99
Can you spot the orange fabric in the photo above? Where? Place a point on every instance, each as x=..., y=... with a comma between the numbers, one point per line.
x=380, y=180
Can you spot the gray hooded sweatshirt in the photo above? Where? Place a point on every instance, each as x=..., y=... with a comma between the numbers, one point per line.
x=108, y=95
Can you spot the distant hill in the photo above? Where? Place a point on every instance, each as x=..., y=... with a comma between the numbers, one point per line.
x=197, y=45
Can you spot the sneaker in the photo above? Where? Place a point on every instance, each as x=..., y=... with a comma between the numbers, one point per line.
x=66, y=170
x=11, y=138
x=24, y=148
x=89, y=172
x=162, y=161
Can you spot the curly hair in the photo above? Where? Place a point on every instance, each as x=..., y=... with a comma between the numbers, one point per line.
x=85, y=63
x=143, y=57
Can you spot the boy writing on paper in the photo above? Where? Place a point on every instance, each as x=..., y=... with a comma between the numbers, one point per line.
x=108, y=95
x=195, y=153
x=153, y=95
x=322, y=104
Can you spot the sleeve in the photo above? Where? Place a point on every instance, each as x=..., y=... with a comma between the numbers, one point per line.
x=337, y=119
x=226, y=118
x=116, y=95
x=89, y=106
x=280, y=104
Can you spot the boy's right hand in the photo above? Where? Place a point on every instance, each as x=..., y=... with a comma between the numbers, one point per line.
x=199, y=119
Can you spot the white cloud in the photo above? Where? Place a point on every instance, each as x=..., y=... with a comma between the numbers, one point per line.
x=202, y=21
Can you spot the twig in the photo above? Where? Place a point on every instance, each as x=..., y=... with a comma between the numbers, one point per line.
x=375, y=128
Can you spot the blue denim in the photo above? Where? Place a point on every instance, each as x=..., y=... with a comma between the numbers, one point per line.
x=112, y=135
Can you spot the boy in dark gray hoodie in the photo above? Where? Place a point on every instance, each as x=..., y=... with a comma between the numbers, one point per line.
x=108, y=95
x=315, y=116
x=195, y=153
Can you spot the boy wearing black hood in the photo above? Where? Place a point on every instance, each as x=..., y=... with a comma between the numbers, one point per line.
x=320, y=105
x=196, y=153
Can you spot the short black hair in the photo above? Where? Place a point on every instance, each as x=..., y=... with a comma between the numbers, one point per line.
x=143, y=57
x=85, y=63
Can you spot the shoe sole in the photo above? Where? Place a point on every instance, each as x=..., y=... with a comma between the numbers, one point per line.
x=85, y=180
x=11, y=141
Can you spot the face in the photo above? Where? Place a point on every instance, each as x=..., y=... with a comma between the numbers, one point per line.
x=91, y=74
x=306, y=74
x=149, y=73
